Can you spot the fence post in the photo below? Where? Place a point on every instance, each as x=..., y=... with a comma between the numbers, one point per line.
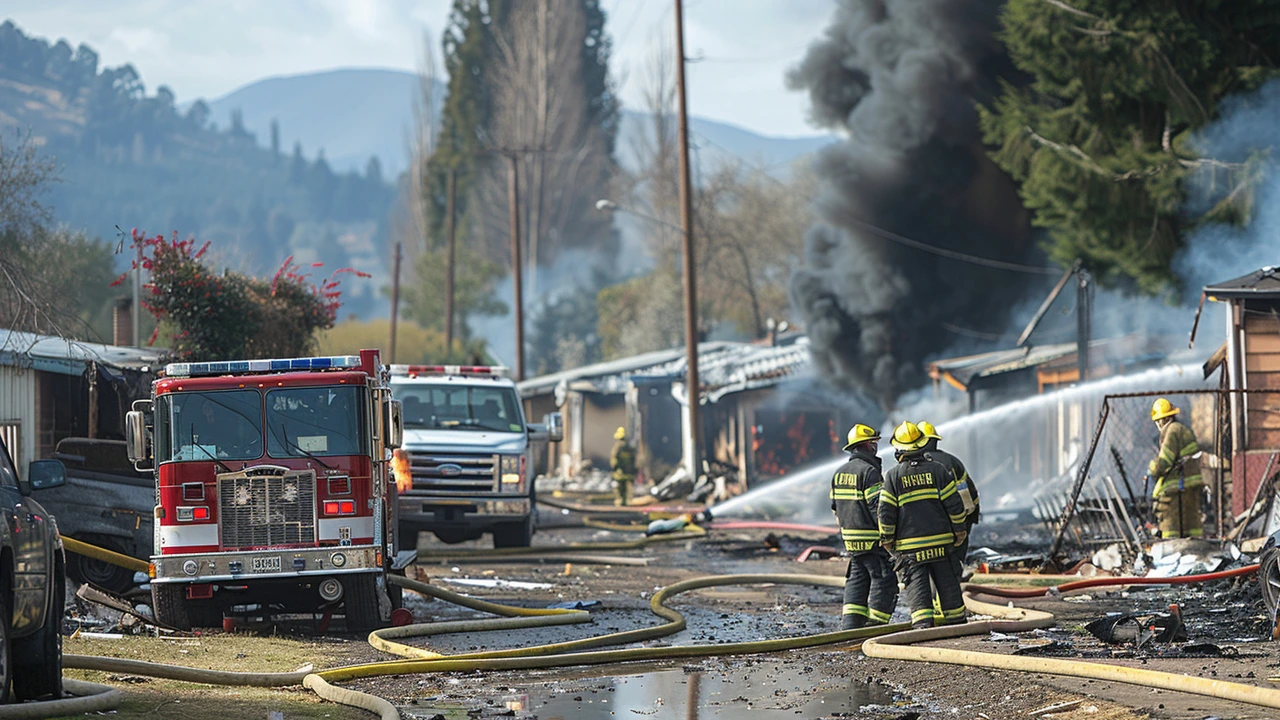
x=1070, y=509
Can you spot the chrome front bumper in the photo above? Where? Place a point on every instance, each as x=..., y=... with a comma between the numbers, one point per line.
x=239, y=566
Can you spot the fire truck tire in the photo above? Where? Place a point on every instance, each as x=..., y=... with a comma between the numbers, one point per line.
x=360, y=601
x=99, y=573
x=511, y=535
x=169, y=603
x=38, y=675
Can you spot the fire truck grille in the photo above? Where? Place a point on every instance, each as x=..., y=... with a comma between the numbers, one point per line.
x=259, y=509
x=455, y=472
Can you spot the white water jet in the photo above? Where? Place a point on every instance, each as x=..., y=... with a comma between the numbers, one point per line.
x=1009, y=450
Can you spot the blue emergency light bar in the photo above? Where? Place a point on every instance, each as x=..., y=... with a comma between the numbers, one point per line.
x=232, y=367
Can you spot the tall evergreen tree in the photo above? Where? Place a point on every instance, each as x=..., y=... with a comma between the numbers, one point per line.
x=1101, y=140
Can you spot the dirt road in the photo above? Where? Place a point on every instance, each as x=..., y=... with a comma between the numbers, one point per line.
x=816, y=683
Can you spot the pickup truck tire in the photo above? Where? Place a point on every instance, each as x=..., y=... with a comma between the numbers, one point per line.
x=360, y=600
x=38, y=675
x=516, y=534
x=6, y=650
x=98, y=573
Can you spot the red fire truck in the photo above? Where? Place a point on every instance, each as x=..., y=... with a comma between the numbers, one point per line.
x=273, y=487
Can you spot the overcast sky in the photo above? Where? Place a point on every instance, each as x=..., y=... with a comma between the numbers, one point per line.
x=207, y=48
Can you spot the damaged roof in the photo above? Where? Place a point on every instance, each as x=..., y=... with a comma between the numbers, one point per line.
x=1261, y=283
x=48, y=353
x=723, y=367
x=1120, y=352
x=964, y=369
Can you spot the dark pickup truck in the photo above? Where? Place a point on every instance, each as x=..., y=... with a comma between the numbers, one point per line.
x=105, y=502
x=32, y=583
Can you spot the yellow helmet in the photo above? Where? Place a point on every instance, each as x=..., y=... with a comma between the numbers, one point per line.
x=908, y=437
x=1162, y=408
x=620, y=434
x=859, y=434
x=929, y=430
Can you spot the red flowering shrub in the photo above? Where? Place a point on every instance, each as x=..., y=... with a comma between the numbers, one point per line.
x=232, y=316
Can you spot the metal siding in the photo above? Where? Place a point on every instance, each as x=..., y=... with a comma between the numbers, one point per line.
x=18, y=404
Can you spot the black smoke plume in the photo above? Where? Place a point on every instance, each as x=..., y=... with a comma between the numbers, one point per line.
x=900, y=80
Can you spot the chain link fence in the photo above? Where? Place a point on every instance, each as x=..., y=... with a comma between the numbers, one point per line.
x=1104, y=499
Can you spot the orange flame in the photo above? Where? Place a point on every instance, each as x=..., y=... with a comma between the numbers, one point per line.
x=400, y=469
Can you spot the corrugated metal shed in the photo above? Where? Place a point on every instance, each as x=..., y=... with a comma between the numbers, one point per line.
x=47, y=353
x=18, y=414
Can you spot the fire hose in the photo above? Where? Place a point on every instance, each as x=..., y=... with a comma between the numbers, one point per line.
x=1110, y=582
x=889, y=642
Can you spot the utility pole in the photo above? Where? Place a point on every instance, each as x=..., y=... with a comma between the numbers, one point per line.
x=395, y=302
x=513, y=200
x=693, y=386
x=137, y=296
x=1084, y=321
x=448, y=262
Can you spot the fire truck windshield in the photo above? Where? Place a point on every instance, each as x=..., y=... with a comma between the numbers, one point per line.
x=316, y=421
x=495, y=409
x=220, y=425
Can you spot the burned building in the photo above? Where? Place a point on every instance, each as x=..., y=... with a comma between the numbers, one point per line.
x=761, y=413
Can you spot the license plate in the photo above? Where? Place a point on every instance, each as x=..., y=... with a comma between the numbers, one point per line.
x=266, y=564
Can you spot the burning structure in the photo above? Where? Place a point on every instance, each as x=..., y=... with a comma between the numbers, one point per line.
x=761, y=415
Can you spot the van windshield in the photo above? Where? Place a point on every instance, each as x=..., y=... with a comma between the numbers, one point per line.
x=495, y=409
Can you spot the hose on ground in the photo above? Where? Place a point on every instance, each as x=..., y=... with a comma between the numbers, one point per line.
x=351, y=698
x=1111, y=582
x=906, y=646
x=691, y=532
x=90, y=698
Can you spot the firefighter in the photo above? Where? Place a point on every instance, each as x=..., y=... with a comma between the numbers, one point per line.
x=965, y=488
x=922, y=520
x=623, y=463
x=1176, y=473
x=870, y=585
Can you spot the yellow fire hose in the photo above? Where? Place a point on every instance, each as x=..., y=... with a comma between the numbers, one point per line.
x=105, y=555
x=890, y=642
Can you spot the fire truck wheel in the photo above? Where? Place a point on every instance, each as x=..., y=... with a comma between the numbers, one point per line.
x=38, y=675
x=169, y=603
x=112, y=578
x=517, y=534
x=360, y=601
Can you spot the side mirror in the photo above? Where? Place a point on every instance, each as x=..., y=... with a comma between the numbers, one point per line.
x=136, y=437
x=44, y=474
x=555, y=426
x=395, y=424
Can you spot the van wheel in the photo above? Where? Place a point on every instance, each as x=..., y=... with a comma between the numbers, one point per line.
x=38, y=675
x=513, y=535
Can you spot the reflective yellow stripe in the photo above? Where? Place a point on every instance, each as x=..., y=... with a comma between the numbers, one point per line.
x=916, y=495
x=959, y=518
x=926, y=541
x=877, y=616
x=851, y=609
x=918, y=615
x=888, y=498
x=888, y=531
x=1191, y=449
x=856, y=533
x=948, y=490
x=958, y=612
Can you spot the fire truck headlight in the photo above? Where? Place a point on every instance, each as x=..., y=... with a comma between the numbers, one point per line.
x=190, y=567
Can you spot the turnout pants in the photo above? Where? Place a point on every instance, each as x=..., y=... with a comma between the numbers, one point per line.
x=623, y=487
x=870, y=590
x=1178, y=513
x=923, y=579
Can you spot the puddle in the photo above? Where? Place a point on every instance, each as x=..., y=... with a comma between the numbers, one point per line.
x=768, y=691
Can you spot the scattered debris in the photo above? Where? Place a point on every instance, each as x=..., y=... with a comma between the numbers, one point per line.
x=1123, y=629
x=496, y=583
x=1056, y=708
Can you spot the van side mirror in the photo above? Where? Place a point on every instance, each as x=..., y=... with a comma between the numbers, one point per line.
x=137, y=435
x=554, y=423
x=44, y=474
x=395, y=424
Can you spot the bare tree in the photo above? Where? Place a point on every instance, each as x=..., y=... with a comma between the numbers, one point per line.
x=541, y=113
